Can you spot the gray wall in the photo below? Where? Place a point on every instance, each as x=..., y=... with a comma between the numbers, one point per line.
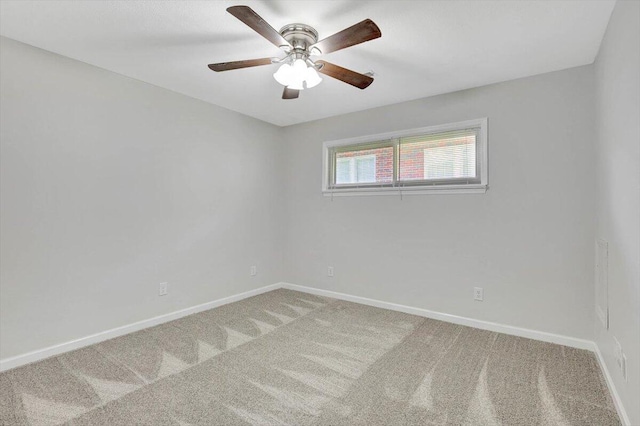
x=618, y=193
x=528, y=241
x=110, y=186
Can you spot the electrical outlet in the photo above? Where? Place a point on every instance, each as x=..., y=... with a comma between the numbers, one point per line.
x=163, y=289
x=253, y=271
x=478, y=294
x=330, y=271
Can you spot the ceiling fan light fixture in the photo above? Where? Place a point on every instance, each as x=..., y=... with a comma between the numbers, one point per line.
x=297, y=76
x=312, y=78
x=284, y=75
x=299, y=66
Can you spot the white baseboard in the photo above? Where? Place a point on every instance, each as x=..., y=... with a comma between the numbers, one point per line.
x=27, y=358
x=470, y=322
x=624, y=418
x=484, y=325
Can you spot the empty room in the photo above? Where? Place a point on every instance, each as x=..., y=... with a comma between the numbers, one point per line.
x=320, y=212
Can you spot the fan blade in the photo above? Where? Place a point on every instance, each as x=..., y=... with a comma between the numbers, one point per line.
x=259, y=25
x=290, y=93
x=353, y=78
x=226, y=66
x=356, y=34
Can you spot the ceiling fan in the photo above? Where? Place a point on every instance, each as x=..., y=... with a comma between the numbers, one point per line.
x=300, y=42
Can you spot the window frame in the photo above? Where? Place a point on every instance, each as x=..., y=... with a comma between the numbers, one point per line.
x=397, y=187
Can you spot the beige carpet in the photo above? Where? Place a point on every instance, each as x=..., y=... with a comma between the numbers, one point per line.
x=291, y=358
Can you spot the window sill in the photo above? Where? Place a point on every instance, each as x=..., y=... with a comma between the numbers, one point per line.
x=466, y=189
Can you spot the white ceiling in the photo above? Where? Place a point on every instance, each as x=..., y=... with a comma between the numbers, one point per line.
x=427, y=47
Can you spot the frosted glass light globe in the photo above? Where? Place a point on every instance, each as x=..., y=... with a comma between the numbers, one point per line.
x=284, y=75
x=312, y=78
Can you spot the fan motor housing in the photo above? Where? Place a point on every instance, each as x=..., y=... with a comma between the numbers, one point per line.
x=301, y=36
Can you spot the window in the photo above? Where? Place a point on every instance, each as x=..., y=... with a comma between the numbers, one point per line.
x=449, y=158
x=355, y=169
x=364, y=164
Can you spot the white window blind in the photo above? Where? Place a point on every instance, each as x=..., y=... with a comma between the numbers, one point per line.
x=444, y=157
x=444, y=162
x=362, y=165
x=439, y=158
x=357, y=169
